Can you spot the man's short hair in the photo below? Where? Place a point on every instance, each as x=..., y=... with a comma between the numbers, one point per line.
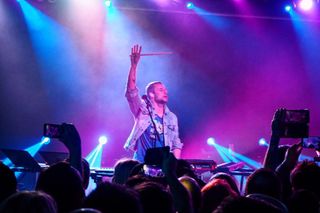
x=150, y=87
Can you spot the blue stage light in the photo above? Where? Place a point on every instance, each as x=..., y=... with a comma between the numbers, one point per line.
x=190, y=5
x=288, y=8
x=211, y=141
x=263, y=142
x=107, y=3
x=45, y=140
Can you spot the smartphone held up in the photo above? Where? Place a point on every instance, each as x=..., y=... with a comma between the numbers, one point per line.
x=295, y=123
x=52, y=130
x=311, y=143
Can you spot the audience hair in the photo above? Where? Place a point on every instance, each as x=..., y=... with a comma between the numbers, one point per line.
x=123, y=169
x=229, y=178
x=29, y=201
x=8, y=182
x=155, y=198
x=306, y=175
x=64, y=184
x=213, y=193
x=302, y=201
x=264, y=181
x=244, y=204
x=195, y=192
x=111, y=197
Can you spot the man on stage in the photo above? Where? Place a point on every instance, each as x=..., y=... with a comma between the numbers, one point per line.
x=154, y=124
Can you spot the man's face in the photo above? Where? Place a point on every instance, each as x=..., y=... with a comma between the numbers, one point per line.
x=160, y=93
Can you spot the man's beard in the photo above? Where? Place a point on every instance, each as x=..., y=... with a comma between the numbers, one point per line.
x=161, y=101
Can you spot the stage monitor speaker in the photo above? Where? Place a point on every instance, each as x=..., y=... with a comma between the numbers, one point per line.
x=22, y=160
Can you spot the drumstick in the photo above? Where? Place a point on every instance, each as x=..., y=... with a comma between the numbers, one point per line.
x=156, y=53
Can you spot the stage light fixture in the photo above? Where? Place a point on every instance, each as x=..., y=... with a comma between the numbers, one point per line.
x=263, y=142
x=103, y=140
x=190, y=5
x=107, y=3
x=45, y=140
x=211, y=141
x=305, y=5
x=288, y=8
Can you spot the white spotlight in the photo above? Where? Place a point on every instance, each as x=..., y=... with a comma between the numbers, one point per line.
x=107, y=3
x=263, y=142
x=211, y=141
x=103, y=140
x=45, y=140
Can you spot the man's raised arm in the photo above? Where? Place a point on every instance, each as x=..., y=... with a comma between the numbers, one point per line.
x=134, y=57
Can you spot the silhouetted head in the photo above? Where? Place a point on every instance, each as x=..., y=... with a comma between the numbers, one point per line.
x=227, y=177
x=213, y=193
x=192, y=186
x=306, y=175
x=86, y=210
x=302, y=201
x=64, y=184
x=184, y=168
x=109, y=198
x=8, y=182
x=264, y=181
x=154, y=198
x=85, y=172
x=29, y=201
x=123, y=169
x=244, y=204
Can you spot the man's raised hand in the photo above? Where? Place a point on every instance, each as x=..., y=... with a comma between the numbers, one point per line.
x=135, y=55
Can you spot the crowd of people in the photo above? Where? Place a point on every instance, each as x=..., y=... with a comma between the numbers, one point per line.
x=283, y=185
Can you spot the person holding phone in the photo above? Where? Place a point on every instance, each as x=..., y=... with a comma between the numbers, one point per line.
x=154, y=124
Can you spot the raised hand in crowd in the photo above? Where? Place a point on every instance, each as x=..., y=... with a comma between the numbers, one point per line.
x=292, y=156
x=271, y=159
x=180, y=194
x=71, y=139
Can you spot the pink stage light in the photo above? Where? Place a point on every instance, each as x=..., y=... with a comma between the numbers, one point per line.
x=306, y=4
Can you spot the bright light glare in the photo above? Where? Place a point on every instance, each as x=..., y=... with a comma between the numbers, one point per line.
x=103, y=140
x=211, y=141
x=306, y=4
x=263, y=142
x=45, y=140
x=190, y=5
x=288, y=8
x=107, y=3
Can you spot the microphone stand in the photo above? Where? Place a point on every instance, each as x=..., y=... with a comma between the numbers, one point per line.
x=153, y=123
